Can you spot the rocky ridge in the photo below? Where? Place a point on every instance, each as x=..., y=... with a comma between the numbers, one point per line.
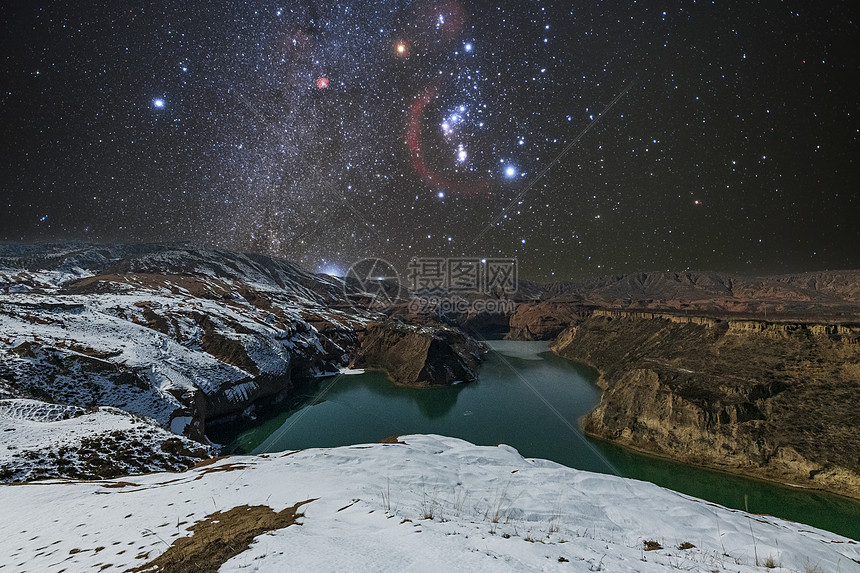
x=825, y=297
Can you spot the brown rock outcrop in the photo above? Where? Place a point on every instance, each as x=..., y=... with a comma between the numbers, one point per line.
x=419, y=355
x=544, y=320
x=779, y=401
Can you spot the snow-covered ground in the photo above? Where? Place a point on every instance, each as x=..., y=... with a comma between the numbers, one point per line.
x=430, y=504
x=39, y=439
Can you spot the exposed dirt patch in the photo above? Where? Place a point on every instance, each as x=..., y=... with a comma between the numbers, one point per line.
x=220, y=537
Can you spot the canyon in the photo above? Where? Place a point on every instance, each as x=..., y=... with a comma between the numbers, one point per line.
x=752, y=375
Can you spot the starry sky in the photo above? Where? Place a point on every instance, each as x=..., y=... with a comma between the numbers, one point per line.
x=583, y=138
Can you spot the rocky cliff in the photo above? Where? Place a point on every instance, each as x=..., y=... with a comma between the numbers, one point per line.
x=824, y=296
x=779, y=401
x=546, y=319
x=419, y=355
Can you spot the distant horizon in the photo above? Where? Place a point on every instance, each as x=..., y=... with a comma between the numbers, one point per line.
x=205, y=245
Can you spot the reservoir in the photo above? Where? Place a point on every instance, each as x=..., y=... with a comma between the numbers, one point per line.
x=526, y=397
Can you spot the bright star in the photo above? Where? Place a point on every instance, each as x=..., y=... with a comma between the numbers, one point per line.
x=510, y=171
x=468, y=47
x=461, y=153
x=441, y=194
x=158, y=102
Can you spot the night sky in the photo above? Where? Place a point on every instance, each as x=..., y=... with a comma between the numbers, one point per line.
x=582, y=138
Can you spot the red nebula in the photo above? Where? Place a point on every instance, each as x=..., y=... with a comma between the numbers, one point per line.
x=322, y=83
x=414, y=140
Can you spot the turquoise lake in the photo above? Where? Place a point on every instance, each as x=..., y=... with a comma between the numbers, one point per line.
x=526, y=397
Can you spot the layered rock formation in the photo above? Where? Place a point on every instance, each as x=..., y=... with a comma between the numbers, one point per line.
x=819, y=297
x=806, y=297
x=779, y=401
x=544, y=320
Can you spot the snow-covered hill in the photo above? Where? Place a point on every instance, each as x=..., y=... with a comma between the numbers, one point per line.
x=182, y=333
x=153, y=328
x=427, y=504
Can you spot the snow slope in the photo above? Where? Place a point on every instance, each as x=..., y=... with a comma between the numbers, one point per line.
x=430, y=504
x=41, y=440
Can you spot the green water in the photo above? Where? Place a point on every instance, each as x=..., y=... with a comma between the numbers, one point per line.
x=526, y=397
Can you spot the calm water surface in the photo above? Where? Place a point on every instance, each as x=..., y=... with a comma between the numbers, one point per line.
x=526, y=397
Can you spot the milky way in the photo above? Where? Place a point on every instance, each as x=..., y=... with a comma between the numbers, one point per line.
x=581, y=138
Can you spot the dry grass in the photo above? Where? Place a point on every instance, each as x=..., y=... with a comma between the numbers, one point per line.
x=220, y=537
x=652, y=545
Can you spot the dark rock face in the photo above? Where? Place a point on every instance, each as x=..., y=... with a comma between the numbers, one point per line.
x=543, y=311
x=773, y=400
x=419, y=356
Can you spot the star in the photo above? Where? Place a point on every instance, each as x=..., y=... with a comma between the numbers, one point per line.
x=271, y=106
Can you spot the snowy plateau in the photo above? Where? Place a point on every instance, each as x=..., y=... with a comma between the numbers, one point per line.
x=419, y=503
